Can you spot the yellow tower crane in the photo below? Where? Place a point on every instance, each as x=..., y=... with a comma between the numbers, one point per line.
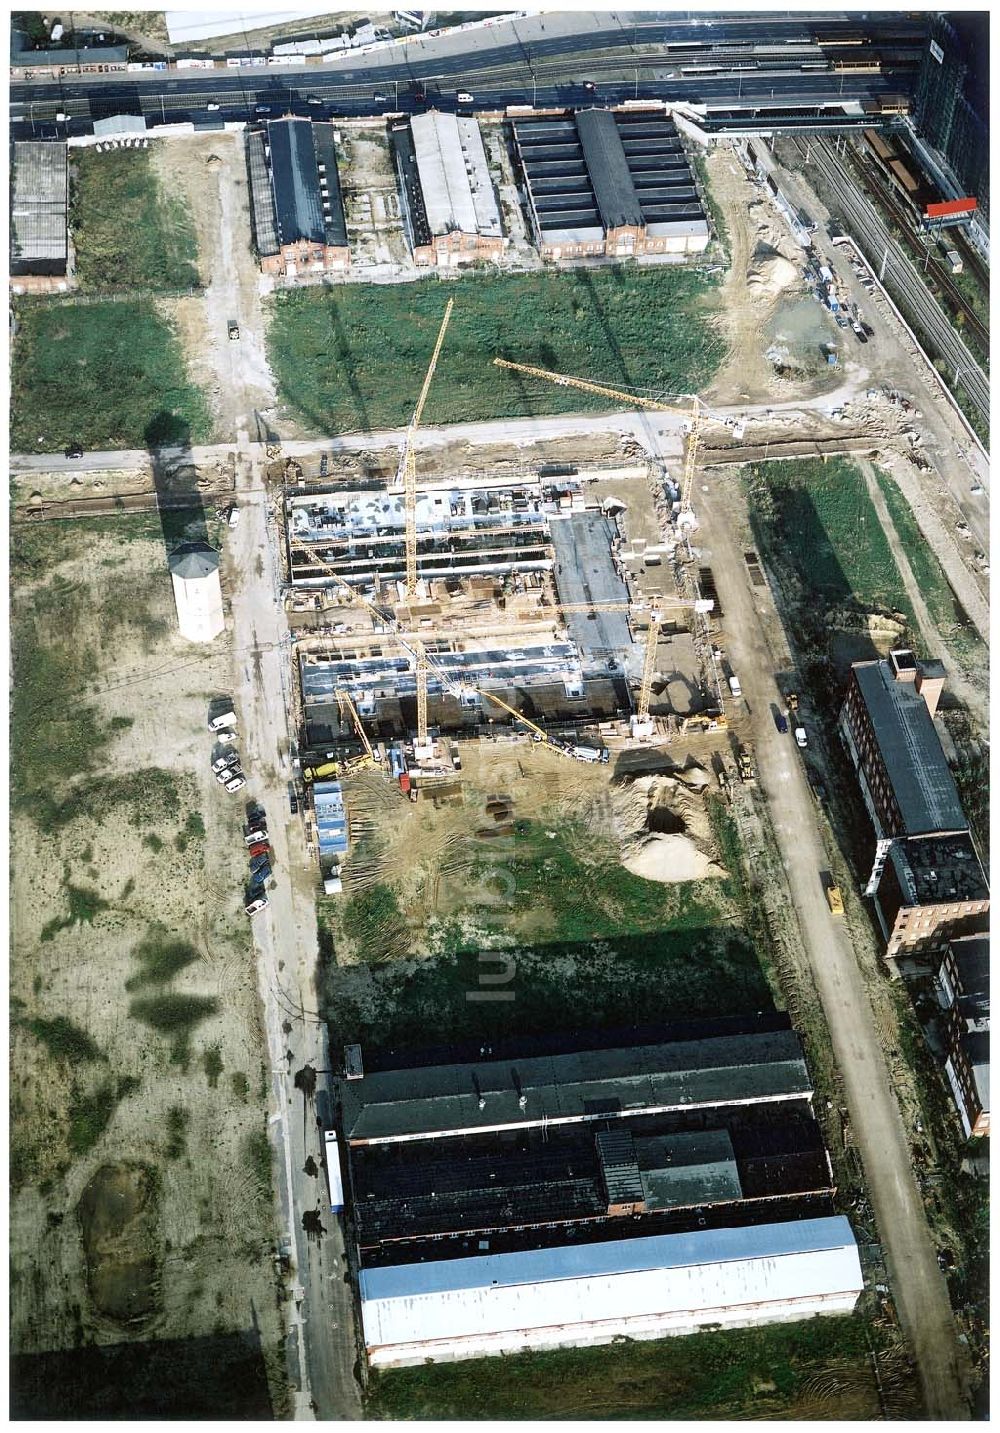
x=406, y=476
x=634, y=400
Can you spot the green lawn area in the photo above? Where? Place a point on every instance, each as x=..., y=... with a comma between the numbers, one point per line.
x=946, y=611
x=107, y=375
x=156, y=249
x=758, y=1373
x=611, y=950
x=354, y=357
x=817, y=521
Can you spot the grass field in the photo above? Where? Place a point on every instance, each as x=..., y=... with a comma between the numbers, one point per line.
x=107, y=375
x=947, y=614
x=354, y=357
x=739, y=1374
x=608, y=949
x=156, y=249
x=816, y=521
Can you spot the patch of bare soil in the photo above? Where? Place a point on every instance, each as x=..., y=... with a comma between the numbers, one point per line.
x=119, y=1226
x=664, y=830
x=126, y=917
x=763, y=281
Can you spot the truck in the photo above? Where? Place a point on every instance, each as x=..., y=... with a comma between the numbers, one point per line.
x=954, y=260
x=586, y=753
x=744, y=763
x=256, y=900
x=253, y=835
x=793, y=701
x=734, y=686
x=233, y=329
x=456, y=756
x=835, y=900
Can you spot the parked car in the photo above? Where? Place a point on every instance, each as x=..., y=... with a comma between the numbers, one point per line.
x=237, y=782
x=293, y=800
x=211, y=107
x=259, y=848
x=233, y=329
x=781, y=722
x=464, y=97
x=222, y=763
x=74, y=451
x=233, y=516
x=256, y=901
x=226, y=738
x=224, y=719
x=800, y=736
x=253, y=835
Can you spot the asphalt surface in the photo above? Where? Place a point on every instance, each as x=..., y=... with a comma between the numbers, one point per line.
x=566, y=58
x=901, y=278
x=919, y=1287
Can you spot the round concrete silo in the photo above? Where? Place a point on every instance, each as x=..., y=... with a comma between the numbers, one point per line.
x=194, y=571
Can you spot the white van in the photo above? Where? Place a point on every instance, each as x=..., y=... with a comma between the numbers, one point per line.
x=734, y=686
x=224, y=719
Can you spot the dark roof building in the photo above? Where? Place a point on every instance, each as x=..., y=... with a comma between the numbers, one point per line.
x=449, y=1100
x=963, y=984
x=927, y=879
x=296, y=201
x=606, y=183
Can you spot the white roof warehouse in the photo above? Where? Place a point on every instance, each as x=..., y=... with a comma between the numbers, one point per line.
x=592, y=1293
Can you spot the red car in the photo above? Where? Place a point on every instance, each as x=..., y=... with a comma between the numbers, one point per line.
x=261, y=849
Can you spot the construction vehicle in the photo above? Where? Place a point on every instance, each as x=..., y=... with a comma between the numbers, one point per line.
x=233, y=329
x=705, y=721
x=793, y=701
x=745, y=766
x=330, y=770
x=835, y=900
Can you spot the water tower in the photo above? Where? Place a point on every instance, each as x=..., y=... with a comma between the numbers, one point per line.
x=194, y=571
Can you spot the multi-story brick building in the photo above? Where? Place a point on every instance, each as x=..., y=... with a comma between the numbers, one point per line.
x=962, y=980
x=927, y=880
x=299, y=224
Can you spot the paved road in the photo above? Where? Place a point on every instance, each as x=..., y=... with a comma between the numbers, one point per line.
x=918, y=1285
x=902, y=278
x=545, y=59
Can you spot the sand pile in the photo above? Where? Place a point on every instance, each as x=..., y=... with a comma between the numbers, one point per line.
x=670, y=858
x=663, y=827
x=770, y=273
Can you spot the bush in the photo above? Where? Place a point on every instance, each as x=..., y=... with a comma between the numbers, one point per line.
x=63, y=1039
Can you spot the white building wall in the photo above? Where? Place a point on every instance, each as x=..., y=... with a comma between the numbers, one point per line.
x=587, y=1294
x=599, y=1331
x=200, y=617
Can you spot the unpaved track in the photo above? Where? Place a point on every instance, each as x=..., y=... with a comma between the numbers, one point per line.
x=918, y=1285
x=320, y=1315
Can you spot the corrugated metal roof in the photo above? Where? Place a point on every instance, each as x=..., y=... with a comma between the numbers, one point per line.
x=921, y=781
x=446, y=187
x=295, y=181
x=119, y=124
x=591, y=1084
x=577, y=1284
x=608, y=168
x=265, y=222
x=38, y=204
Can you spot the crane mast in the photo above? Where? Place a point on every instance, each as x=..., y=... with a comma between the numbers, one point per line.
x=408, y=463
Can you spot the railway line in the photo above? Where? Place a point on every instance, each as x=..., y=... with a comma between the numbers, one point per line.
x=901, y=277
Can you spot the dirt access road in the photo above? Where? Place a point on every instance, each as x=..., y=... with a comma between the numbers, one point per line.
x=919, y=1287
x=321, y=1348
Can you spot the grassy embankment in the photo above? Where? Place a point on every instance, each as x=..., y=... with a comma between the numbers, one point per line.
x=354, y=357
x=111, y=374
x=814, y=1369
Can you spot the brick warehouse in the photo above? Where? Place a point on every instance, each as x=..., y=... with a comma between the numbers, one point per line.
x=613, y=185
x=299, y=225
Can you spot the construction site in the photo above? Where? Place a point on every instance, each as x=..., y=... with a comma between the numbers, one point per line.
x=531, y=605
